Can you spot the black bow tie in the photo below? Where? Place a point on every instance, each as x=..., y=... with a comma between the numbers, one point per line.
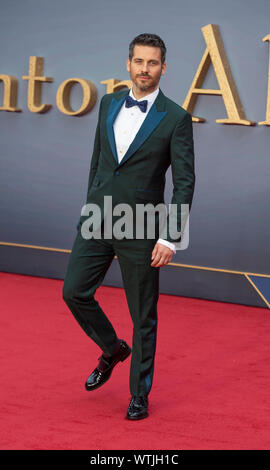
x=131, y=102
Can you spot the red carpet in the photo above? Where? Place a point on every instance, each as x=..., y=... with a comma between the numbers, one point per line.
x=211, y=381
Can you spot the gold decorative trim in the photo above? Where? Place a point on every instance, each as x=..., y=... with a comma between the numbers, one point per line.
x=35, y=247
x=259, y=292
x=180, y=265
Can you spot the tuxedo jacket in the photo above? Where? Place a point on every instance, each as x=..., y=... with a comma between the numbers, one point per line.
x=165, y=138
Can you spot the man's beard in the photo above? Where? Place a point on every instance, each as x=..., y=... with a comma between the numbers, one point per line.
x=144, y=86
x=149, y=84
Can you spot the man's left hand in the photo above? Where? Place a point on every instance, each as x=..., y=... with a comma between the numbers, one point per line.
x=161, y=255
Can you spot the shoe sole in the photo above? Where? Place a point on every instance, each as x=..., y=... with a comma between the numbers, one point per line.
x=103, y=383
x=137, y=417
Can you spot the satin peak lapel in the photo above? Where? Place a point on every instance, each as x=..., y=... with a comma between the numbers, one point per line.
x=151, y=121
x=114, y=109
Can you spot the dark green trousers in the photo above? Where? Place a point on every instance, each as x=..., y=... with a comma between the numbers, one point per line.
x=87, y=266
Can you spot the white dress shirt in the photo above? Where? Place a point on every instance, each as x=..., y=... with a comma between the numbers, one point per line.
x=126, y=126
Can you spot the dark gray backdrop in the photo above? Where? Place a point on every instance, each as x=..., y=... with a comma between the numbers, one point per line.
x=45, y=158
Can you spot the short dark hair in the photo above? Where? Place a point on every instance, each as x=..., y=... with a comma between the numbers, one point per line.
x=147, y=39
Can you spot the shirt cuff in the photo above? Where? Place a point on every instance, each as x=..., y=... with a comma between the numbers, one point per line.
x=168, y=244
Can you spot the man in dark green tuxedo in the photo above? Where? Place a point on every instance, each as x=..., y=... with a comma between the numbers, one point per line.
x=140, y=133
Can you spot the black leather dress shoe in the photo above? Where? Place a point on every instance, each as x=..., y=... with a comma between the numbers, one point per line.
x=103, y=371
x=138, y=407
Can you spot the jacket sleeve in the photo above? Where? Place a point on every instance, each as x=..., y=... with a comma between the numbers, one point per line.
x=96, y=151
x=183, y=176
x=95, y=156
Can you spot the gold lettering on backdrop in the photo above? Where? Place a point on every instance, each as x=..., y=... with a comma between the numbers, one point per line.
x=10, y=84
x=215, y=53
x=36, y=78
x=113, y=84
x=267, y=115
x=63, y=96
